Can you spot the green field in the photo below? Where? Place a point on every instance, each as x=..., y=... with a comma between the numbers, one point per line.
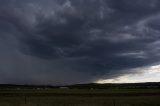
x=80, y=97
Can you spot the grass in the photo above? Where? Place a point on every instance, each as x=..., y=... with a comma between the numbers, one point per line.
x=80, y=97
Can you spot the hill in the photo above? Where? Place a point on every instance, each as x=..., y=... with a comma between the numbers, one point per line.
x=86, y=86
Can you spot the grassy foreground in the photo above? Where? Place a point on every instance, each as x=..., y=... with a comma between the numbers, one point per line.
x=80, y=97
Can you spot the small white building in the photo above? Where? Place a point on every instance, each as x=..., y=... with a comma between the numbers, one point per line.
x=63, y=87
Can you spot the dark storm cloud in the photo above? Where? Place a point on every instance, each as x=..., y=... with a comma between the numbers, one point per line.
x=76, y=41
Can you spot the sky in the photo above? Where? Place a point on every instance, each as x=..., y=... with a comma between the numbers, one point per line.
x=79, y=41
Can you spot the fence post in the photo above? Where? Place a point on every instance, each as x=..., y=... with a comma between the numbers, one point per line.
x=114, y=102
x=25, y=99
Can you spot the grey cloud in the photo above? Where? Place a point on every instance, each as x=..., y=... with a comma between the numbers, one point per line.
x=68, y=41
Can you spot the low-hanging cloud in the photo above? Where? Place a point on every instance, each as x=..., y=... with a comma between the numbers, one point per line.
x=76, y=41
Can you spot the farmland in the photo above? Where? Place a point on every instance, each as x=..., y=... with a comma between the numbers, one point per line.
x=46, y=96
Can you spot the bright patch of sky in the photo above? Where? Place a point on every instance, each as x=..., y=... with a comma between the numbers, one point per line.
x=149, y=74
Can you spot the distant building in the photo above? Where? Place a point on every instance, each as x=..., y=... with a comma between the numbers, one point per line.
x=38, y=88
x=64, y=87
x=18, y=88
x=91, y=88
